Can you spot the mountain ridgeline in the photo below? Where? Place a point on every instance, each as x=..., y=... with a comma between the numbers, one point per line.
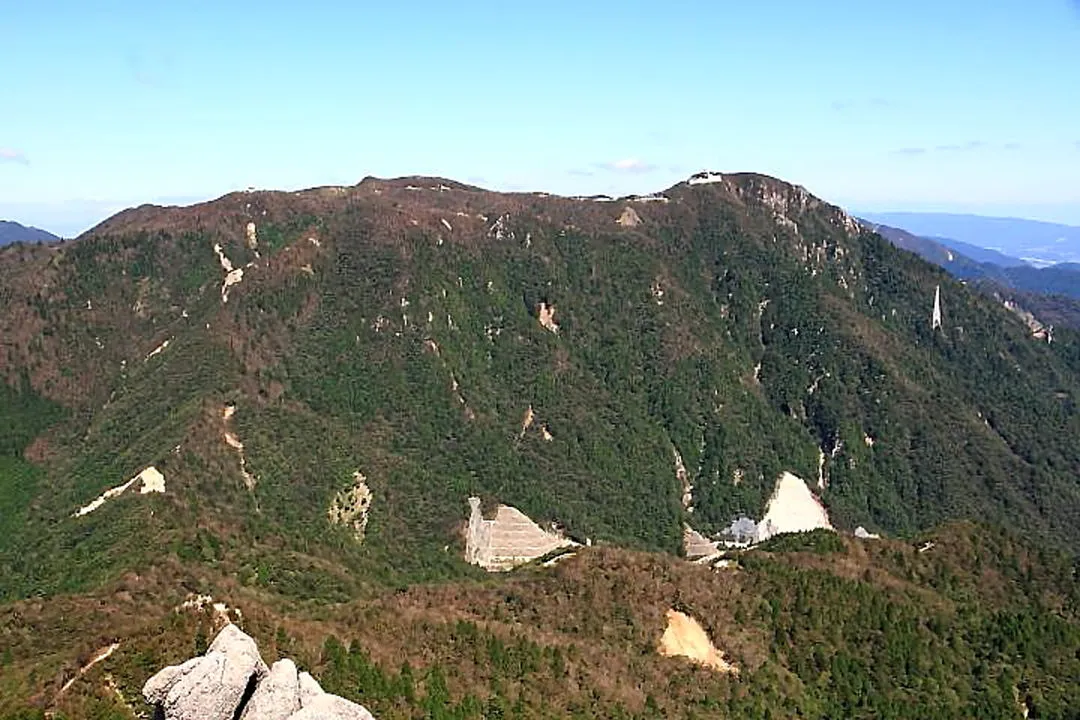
x=265, y=350
x=13, y=232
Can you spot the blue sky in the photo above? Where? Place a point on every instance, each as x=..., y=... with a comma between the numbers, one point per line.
x=955, y=105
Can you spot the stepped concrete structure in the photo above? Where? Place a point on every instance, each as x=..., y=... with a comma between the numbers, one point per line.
x=508, y=540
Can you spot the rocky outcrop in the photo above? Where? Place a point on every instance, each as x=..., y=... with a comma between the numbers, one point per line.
x=629, y=218
x=1039, y=331
x=792, y=508
x=210, y=687
x=152, y=482
x=546, y=315
x=331, y=707
x=350, y=506
x=232, y=681
x=277, y=696
x=684, y=637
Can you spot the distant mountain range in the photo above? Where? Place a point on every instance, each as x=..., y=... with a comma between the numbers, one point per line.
x=1051, y=293
x=1036, y=243
x=13, y=232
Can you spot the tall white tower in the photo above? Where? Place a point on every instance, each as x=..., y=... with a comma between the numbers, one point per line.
x=935, y=321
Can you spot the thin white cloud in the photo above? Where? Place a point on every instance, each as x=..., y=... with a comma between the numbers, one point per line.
x=970, y=146
x=13, y=156
x=962, y=147
x=628, y=166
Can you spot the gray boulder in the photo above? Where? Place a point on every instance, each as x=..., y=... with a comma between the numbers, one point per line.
x=211, y=687
x=232, y=681
x=309, y=688
x=277, y=696
x=157, y=688
x=331, y=707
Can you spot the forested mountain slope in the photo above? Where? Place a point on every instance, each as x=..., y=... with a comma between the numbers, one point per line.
x=408, y=329
x=193, y=394
x=967, y=623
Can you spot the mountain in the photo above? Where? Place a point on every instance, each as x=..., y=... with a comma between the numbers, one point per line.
x=937, y=251
x=287, y=400
x=982, y=255
x=1034, y=242
x=1050, y=293
x=13, y=232
x=1063, y=279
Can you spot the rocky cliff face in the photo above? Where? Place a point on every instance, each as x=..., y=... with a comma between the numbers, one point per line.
x=231, y=681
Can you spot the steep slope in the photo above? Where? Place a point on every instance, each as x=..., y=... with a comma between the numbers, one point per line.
x=552, y=354
x=980, y=254
x=13, y=232
x=955, y=261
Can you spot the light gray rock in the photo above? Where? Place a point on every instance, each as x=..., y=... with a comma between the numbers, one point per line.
x=240, y=647
x=232, y=681
x=213, y=686
x=331, y=707
x=864, y=534
x=309, y=689
x=277, y=695
x=157, y=688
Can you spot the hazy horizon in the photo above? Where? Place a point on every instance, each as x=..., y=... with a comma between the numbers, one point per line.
x=922, y=106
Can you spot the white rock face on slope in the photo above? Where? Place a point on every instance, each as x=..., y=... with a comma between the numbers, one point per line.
x=683, y=478
x=509, y=540
x=864, y=534
x=792, y=508
x=152, y=481
x=350, y=506
x=232, y=681
x=232, y=275
x=935, y=316
x=546, y=315
x=1038, y=329
x=234, y=442
x=629, y=218
x=684, y=637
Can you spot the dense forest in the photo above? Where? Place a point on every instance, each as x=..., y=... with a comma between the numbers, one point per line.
x=981, y=625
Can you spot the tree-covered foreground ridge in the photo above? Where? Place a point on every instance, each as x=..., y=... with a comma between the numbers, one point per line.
x=719, y=451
